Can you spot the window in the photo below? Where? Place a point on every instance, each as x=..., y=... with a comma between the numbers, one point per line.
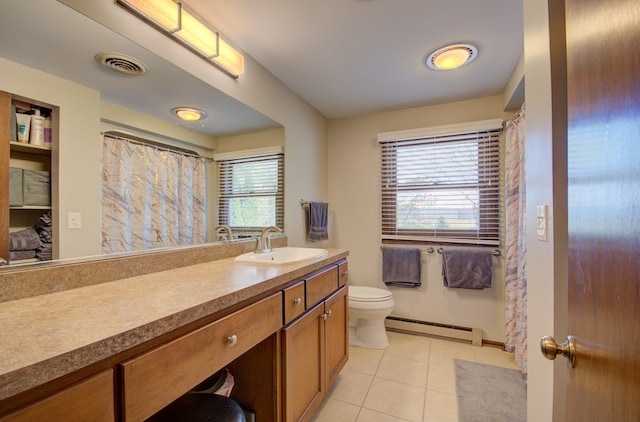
x=251, y=189
x=442, y=184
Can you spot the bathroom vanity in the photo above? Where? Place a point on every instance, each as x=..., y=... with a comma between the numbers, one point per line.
x=124, y=349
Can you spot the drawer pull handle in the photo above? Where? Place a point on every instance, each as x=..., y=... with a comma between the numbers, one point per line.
x=297, y=301
x=232, y=340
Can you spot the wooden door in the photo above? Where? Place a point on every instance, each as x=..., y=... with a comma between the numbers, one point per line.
x=303, y=357
x=603, y=65
x=336, y=334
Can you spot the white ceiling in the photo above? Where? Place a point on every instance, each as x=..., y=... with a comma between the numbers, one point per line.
x=344, y=57
x=350, y=57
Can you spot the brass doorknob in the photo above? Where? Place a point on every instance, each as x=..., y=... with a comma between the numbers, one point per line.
x=550, y=349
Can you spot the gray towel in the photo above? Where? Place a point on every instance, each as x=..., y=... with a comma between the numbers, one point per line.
x=318, y=221
x=401, y=267
x=18, y=255
x=466, y=268
x=24, y=240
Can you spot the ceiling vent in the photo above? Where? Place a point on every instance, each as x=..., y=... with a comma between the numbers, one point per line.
x=121, y=63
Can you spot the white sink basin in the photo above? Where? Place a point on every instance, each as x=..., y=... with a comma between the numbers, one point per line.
x=282, y=256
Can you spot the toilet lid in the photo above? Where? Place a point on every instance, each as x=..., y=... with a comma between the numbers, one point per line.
x=368, y=294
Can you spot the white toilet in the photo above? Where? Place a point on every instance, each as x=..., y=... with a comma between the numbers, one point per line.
x=368, y=307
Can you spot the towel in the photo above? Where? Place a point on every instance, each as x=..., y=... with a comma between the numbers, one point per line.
x=318, y=221
x=18, y=255
x=401, y=267
x=466, y=268
x=24, y=240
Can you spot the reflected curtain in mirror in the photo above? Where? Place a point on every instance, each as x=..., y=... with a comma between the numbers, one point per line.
x=151, y=197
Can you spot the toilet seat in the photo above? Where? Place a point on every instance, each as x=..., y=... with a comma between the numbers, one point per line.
x=368, y=294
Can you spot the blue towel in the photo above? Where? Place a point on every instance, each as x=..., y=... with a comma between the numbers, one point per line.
x=401, y=267
x=318, y=212
x=466, y=268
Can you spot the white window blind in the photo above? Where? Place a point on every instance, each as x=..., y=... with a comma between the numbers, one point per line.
x=443, y=187
x=251, y=191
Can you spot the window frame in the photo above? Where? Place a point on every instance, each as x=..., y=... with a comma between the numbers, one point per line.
x=225, y=164
x=489, y=175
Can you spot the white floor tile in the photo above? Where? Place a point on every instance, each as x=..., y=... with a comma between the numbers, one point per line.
x=413, y=380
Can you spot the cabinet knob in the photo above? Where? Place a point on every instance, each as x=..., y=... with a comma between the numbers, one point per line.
x=232, y=340
x=297, y=301
x=345, y=272
x=326, y=315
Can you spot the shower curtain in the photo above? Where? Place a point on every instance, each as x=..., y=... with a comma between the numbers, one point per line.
x=151, y=198
x=515, y=261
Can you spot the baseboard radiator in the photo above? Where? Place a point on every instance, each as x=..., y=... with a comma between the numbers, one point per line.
x=473, y=335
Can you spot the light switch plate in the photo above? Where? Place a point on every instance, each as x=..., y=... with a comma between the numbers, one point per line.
x=74, y=220
x=541, y=222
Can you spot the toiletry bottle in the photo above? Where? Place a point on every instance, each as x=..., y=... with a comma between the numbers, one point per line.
x=47, y=131
x=36, y=136
x=23, y=123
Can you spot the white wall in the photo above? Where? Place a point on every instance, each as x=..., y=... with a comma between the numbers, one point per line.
x=355, y=222
x=545, y=87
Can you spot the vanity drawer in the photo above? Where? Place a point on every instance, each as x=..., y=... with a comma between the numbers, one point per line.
x=321, y=285
x=343, y=274
x=89, y=400
x=153, y=380
x=293, y=302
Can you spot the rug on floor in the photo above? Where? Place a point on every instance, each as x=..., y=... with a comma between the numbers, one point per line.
x=489, y=393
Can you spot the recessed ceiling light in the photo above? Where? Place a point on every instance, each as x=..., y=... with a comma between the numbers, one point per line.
x=189, y=114
x=451, y=57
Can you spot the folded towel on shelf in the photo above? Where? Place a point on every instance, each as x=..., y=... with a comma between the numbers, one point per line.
x=24, y=240
x=318, y=217
x=401, y=267
x=467, y=268
x=18, y=255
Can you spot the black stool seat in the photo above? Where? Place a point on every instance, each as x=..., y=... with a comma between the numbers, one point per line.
x=201, y=408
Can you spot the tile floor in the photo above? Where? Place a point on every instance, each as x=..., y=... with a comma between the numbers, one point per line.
x=412, y=380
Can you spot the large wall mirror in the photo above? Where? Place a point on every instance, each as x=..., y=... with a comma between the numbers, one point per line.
x=47, y=53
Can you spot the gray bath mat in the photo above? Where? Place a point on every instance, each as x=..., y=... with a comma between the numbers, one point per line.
x=489, y=393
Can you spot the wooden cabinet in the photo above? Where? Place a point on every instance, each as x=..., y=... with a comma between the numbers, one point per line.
x=90, y=400
x=315, y=346
x=36, y=160
x=154, y=379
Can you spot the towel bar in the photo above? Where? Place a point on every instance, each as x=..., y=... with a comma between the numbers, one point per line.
x=495, y=252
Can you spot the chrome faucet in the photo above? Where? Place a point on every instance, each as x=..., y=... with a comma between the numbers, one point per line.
x=225, y=229
x=263, y=242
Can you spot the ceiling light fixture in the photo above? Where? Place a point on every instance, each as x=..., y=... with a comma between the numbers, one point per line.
x=171, y=18
x=451, y=57
x=189, y=114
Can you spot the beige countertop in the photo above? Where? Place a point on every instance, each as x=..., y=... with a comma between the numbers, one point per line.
x=48, y=336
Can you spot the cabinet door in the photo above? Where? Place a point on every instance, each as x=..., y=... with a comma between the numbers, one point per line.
x=90, y=400
x=303, y=358
x=336, y=334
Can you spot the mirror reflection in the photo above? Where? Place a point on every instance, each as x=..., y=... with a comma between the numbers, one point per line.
x=51, y=66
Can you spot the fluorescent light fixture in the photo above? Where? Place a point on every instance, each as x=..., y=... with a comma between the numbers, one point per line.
x=230, y=58
x=451, y=57
x=189, y=114
x=170, y=17
x=163, y=13
x=198, y=35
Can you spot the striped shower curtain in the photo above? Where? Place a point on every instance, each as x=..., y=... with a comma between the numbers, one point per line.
x=516, y=249
x=151, y=198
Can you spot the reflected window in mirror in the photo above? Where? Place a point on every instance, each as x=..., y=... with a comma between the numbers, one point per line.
x=251, y=189
x=152, y=196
